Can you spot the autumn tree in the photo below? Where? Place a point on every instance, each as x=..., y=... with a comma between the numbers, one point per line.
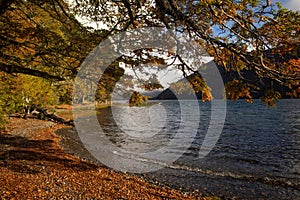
x=42, y=47
x=40, y=38
x=194, y=84
x=21, y=93
x=240, y=35
x=137, y=99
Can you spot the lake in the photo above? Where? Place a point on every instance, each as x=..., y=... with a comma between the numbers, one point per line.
x=257, y=154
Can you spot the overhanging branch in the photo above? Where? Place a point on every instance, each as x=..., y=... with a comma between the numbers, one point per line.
x=22, y=70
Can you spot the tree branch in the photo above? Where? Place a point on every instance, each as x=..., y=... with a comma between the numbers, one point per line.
x=17, y=69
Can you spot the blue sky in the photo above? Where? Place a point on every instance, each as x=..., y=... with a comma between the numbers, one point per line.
x=290, y=4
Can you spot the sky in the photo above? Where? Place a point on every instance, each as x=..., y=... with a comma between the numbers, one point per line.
x=291, y=4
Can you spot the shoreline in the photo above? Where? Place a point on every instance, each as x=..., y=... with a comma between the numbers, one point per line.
x=35, y=162
x=71, y=143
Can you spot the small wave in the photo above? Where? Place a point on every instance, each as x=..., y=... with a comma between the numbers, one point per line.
x=247, y=177
x=276, y=181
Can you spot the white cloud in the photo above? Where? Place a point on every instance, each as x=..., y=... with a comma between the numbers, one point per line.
x=293, y=5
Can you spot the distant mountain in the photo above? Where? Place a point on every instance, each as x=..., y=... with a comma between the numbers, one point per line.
x=152, y=94
x=249, y=77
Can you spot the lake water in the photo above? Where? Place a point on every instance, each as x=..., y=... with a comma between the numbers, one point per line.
x=256, y=156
